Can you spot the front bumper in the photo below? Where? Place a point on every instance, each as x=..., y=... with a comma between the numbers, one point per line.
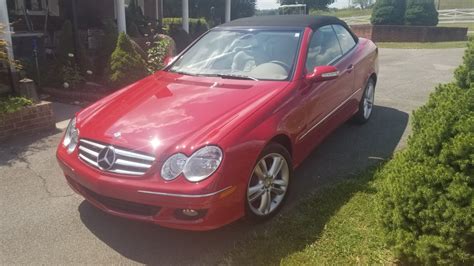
x=123, y=197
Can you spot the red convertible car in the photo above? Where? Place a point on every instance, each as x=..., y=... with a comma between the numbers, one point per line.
x=215, y=135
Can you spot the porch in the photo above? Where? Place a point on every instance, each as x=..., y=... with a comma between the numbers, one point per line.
x=36, y=22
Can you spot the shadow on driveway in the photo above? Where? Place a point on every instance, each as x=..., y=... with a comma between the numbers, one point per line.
x=349, y=150
x=19, y=147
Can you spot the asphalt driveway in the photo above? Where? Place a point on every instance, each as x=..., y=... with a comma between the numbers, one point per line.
x=43, y=222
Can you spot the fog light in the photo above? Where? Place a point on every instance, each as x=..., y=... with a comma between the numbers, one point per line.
x=190, y=212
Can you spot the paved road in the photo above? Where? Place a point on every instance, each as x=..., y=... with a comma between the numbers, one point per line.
x=43, y=222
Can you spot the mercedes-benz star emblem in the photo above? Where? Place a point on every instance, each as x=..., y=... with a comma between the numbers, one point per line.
x=106, y=158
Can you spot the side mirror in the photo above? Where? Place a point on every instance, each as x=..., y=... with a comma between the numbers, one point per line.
x=323, y=73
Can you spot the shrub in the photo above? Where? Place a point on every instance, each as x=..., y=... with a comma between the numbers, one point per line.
x=13, y=104
x=388, y=12
x=426, y=196
x=465, y=72
x=66, y=63
x=126, y=65
x=71, y=74
x=421, y=13
x=180, y=36
x=157, y=54
x=3, y=49
x=3, y=46
x=197, y=26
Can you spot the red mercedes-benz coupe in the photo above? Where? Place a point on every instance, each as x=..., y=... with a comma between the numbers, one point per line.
x=216, y=134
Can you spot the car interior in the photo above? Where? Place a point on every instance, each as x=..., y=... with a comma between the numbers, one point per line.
x=262, y=55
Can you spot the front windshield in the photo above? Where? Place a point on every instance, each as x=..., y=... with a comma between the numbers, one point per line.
x=248, y=54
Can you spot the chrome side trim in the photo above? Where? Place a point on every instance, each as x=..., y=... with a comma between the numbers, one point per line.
x=328, y=115
x=184, y=195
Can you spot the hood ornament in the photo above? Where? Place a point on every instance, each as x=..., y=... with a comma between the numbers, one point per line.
x=117, y=135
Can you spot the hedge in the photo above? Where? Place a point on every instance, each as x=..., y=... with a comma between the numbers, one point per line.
x=421, y=13
x=465, y=72
x=388, y=12
x=426, y=197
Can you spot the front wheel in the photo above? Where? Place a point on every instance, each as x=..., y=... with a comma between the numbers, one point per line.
x=366, y=104
x=269, y=182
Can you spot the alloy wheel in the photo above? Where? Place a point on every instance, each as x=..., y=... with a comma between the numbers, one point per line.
x=369, y=100
x=268, y=184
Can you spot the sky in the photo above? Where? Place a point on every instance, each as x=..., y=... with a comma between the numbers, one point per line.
x=270, y=4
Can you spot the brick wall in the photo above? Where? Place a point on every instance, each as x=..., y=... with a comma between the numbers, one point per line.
x=27, y=120
x=386, y=33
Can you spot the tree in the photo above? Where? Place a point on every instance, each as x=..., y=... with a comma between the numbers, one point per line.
x=362, y=3
x=310, y=4
x=388, y=12
x=421, y=13
x=126, y=64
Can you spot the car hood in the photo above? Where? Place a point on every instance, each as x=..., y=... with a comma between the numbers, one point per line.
x=168, y=111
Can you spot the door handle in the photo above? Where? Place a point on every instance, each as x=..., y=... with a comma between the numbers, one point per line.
x=350, y=68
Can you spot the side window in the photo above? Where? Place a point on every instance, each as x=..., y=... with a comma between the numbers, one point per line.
x=323, y=48
x=345, y=38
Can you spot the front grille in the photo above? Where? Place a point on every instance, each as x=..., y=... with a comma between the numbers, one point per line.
x=122, y=205
x=126, y=162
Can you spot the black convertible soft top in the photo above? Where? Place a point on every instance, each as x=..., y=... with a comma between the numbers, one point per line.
x=313, y=22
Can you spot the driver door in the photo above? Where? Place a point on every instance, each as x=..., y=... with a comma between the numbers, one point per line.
x=322, y=99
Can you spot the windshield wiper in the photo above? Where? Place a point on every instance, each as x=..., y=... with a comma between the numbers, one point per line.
x=224, y=76
x=232, y=76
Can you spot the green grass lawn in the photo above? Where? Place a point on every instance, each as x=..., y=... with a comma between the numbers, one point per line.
x=337, y=225
x=422, y=45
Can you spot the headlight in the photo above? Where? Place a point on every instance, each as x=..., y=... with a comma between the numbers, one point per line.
x=71, y=137
x=202, y=163
x=174, y=166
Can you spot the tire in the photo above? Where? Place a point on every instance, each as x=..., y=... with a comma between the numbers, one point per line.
x=366, y=104
x=263, y=184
